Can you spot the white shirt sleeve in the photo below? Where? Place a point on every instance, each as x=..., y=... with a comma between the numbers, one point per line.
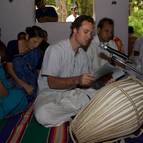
x=51, y=62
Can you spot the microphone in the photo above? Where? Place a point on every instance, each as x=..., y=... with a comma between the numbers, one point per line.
x=113, y=51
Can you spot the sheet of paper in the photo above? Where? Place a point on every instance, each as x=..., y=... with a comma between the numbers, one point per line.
x=109, y=69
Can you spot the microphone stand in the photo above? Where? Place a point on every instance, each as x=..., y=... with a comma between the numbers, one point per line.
x=117, y=60
x=115, y=57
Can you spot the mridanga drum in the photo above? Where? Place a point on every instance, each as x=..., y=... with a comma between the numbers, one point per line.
x=116, y=110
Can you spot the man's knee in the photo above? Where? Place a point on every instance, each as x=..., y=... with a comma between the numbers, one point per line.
x=41, y=115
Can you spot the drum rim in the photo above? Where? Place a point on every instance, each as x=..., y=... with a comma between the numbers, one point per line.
x=71, y=134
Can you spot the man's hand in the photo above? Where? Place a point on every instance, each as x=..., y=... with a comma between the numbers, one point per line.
x=86, y=79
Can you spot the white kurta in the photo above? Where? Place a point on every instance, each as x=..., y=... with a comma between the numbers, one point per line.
x=93, y=53
x=71, y=18
x=53, y=107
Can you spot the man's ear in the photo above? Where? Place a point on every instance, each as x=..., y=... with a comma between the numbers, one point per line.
x=75, y=30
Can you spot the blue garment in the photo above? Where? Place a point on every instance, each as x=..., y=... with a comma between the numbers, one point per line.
x=25, y=65
x=26, y=68
x=15, y=101
x=12, y=50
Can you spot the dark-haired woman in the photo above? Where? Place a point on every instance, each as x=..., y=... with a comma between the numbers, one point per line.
x=24, y=60
x=12, y=99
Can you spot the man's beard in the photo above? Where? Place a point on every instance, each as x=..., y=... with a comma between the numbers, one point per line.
x=85, y=47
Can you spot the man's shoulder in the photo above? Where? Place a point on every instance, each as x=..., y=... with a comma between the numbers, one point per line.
x=94, y=43
x=61, y=44
x=69, y=16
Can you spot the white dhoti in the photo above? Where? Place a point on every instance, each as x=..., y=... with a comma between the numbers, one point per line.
x=55, y=107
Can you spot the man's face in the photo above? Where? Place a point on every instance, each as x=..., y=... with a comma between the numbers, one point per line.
x=84, y=34
x=74, y=11
x=105, y=33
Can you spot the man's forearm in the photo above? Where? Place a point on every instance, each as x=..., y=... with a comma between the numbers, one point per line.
x=63, y=83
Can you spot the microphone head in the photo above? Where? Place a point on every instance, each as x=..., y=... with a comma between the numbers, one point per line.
x=113, y=51
x=103, y=46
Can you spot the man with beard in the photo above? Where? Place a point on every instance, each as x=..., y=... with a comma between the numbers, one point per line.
x=65, y=76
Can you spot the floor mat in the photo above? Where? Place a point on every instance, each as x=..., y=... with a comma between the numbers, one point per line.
x=23, y=128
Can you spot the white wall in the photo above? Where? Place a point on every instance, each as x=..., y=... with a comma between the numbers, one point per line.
x=118, y=12
x=17, y=15
x=14, y=17
x=56, y=31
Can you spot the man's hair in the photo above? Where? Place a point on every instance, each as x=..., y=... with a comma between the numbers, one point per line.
x=105, y=20
x=74, y=5
x=39, y=2
x=79, y=20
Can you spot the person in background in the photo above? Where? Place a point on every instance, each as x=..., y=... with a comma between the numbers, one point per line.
x=137, y=55
x=140, y=62
x=44, y=44
x=45, y=14
x=98, y=56
x=131, y=41
x=65, y=70
x=138, y=45
x=24, y=60
x=74, y=13
x=21, y=35
x=12, y=99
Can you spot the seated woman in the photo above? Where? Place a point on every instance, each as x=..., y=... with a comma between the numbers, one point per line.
x=24, y=59
x=12, y=100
